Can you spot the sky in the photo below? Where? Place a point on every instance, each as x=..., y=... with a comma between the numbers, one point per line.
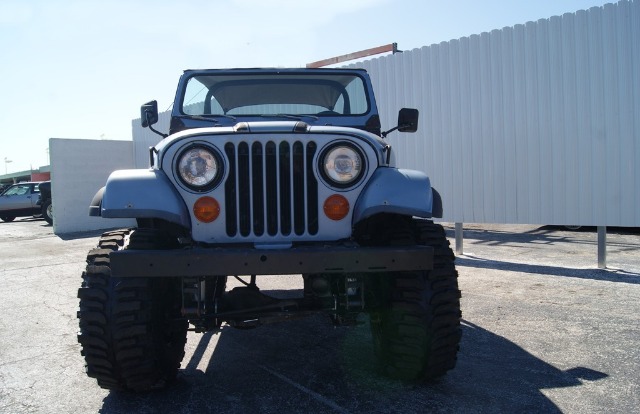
x=82, y=68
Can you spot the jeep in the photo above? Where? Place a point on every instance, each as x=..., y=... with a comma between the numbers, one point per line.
x=268, y=172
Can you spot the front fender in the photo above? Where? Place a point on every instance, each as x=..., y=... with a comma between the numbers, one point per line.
x=396, y=191
x=140, y=194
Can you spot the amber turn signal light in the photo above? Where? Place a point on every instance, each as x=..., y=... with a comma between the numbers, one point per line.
x=336, y=207
x=206, y=209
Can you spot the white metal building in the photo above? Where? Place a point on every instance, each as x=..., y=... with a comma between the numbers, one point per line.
x=537, y=123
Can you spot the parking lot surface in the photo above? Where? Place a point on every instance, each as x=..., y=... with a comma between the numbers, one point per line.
x=544, y=330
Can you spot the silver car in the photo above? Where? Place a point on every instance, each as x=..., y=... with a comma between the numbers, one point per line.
x=20, y=200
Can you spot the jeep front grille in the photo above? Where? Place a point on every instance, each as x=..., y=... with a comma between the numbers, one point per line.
x=271, y=189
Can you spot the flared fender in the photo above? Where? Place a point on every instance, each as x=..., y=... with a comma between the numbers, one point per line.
x=398, y=191
x=140, y=194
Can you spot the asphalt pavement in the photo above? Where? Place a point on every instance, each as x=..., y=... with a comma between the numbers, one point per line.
x=544, y=331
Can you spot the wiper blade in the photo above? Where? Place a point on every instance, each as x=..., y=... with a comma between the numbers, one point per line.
x=290, y=116
x=210, y=118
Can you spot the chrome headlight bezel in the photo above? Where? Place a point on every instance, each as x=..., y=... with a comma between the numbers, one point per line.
x=327, y=166
x=205, y=174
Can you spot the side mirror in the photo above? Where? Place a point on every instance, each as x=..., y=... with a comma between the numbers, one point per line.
x=408, y=120
x=149, y=114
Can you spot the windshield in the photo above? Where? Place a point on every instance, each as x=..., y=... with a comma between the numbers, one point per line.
x=20, y=190
x=255, y=94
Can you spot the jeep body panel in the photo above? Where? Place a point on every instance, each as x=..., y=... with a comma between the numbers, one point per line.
x=381, y=147
x=399, y=191
x=156, y=194
x=141, y=194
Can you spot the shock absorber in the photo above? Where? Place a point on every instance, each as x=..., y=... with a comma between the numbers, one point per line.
x=349, y=300
x=193, y=289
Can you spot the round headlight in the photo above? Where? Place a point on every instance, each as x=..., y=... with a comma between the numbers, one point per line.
x=343, y=165
x=199, y=168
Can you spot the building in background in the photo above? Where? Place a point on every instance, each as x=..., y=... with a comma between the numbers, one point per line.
x=40, y=174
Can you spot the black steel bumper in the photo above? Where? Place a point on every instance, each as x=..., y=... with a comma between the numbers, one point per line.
x=231, y=261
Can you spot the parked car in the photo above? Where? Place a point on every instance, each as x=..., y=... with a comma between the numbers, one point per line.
x=20, y=200
x=46, y=208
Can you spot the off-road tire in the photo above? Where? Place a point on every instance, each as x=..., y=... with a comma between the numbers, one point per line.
x=47, y=211
x=131, y=333
x=416, y=331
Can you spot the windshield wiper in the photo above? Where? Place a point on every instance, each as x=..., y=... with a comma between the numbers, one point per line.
x=210, y=118
x=290, y=116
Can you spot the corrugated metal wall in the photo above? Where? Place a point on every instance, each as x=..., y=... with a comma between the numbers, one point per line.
x=534, y=124
x=537, y=124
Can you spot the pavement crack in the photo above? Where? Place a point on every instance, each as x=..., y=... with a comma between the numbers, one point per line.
x=47, y=265
x=313, y=394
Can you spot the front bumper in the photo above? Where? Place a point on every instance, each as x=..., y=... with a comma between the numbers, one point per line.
x=200, y=262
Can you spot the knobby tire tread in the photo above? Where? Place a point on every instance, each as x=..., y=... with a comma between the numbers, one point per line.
x=128, y=340
x=417, y=336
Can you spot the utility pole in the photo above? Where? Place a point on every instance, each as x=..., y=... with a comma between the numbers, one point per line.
x=6, y=161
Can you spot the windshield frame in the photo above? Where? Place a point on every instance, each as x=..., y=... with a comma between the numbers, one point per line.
x=312, y=92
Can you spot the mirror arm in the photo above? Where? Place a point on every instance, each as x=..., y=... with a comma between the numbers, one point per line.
x=384, y=134
x=147, y=116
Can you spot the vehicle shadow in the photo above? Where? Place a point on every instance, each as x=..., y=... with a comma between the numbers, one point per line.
x=309, y=366
x=22, y=219
x=593, y=274
x=82, y=235
x=544, y=236
x=593, y=229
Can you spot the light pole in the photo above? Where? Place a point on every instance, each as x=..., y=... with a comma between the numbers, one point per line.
x=6, y=161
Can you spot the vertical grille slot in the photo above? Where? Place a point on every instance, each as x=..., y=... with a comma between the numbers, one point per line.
x=230, y=191
x=312, y=191
x=284, y=158
x=271, y=189
x=298, y=188
x=244, y=189
x=257, y=184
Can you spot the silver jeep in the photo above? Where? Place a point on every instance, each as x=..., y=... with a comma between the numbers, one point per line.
x=268, y=172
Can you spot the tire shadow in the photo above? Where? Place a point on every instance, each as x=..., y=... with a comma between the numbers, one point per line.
x=309, y=366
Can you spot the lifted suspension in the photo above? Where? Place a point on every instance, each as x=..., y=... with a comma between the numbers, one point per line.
x=343, y=297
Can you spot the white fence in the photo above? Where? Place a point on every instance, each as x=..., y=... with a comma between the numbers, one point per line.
x=535, y=124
